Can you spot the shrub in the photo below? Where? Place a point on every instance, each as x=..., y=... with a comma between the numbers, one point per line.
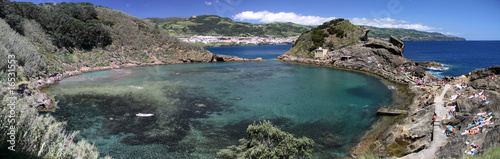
x=268, y=141
x=41, y=135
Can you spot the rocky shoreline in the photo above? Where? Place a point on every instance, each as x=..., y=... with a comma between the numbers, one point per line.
x=414, y=132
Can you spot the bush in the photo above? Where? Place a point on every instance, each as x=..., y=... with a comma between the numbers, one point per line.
x=268, y=141
x=68, y=24
x=41, y=135
x=318, y=37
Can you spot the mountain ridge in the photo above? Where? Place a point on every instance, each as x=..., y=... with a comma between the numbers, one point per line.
x=186, y=27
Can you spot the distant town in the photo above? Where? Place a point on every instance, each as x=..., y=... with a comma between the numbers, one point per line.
x=239, y=40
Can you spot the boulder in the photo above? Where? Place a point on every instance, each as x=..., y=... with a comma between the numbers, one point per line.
x=42, y=101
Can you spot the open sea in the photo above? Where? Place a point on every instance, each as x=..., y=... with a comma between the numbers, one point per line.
x=459, y=57
x=202, y=108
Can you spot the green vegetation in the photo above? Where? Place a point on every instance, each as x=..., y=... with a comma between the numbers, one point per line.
x=68, y=24
x=37, y=135
x=81, y=35
x=330, y=35
x=215, y=25
x=490, y=154
x=409, y=34
x=50, y=39
x=268, y=141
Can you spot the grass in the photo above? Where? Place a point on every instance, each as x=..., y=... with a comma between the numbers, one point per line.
x=492, y=153
x=369, y=155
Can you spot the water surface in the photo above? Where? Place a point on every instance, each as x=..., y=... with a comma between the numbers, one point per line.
x=460, y=57
x=202, y=108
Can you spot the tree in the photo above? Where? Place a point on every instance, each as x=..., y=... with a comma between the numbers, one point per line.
x=268, y=141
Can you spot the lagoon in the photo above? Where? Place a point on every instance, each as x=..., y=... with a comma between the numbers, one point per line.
x=201, y=108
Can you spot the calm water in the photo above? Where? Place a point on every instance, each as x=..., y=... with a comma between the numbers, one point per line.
x=461, y=57
x=202, y=108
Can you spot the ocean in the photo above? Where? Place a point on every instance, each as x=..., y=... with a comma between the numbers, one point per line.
x=459, y=57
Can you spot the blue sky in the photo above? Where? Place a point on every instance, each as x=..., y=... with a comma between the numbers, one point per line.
x=471, y=19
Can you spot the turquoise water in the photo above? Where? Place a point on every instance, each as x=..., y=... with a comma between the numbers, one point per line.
x=202, y=108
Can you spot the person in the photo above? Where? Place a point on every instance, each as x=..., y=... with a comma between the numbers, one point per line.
x=434, y=118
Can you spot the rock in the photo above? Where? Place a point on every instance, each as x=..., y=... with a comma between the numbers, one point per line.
x=379, y=44
x=431, y=65
x=23, y=89
x=227, y=58
x=483, y=78
x=365, y=37
x=398, y=43
x=42, y=101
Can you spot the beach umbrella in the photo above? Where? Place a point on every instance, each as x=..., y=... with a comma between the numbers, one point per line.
x=450, y=128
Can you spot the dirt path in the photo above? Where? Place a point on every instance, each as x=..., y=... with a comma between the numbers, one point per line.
x=438, y=137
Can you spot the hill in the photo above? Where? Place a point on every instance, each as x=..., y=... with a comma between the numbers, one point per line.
x=215, y=25
x=331, y=35
x=43, y=42
x=409, y=34
x=50, y=38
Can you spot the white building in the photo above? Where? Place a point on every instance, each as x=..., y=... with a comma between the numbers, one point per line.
x=320, y=53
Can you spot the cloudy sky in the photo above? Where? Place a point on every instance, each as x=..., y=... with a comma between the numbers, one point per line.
x=471, y=19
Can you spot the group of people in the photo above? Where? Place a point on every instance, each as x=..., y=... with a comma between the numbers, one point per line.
x=461, y=86
x=472, y=149
x=478, y=122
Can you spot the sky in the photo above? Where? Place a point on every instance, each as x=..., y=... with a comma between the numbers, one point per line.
x=471, y=19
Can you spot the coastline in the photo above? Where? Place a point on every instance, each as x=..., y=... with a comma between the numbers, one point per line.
x=369, y=139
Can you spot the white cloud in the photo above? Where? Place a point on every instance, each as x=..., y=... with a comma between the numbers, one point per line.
x=268, y=17
x=451, y=33
x=390, y=23
x=208, y=3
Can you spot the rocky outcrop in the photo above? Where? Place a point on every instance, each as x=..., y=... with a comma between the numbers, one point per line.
x=468, y=106
x=482, y=78
x=398, y=43
x=42, y=102
x=228, y=58
x=365, y=37
x=379, y=44
x=430, y=65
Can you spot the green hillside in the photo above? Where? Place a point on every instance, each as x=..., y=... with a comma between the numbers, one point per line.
x=409, y=34
x=47, y=36
x=330, y=35
x=45, y=40
x=215, y=25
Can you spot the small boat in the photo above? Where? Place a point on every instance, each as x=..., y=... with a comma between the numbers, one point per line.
x=144, y=115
